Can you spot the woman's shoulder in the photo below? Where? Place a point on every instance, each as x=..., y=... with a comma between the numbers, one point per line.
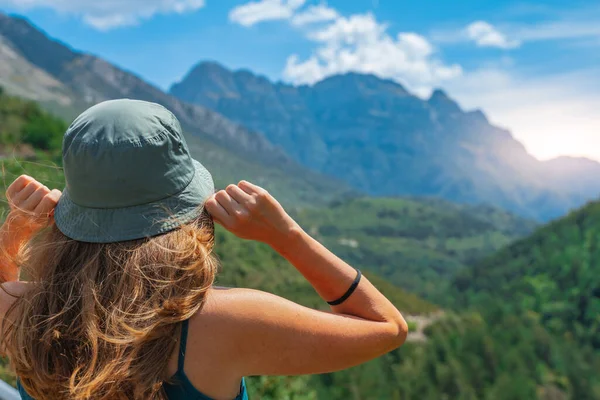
x=225, y=322
x=225, y=306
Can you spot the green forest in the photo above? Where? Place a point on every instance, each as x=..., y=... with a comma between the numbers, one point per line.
x=512, y=310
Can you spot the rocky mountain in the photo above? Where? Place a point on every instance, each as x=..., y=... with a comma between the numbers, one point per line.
x=66, y=81
x=381, y=139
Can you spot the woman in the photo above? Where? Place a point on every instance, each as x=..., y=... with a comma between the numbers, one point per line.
x=120, y=303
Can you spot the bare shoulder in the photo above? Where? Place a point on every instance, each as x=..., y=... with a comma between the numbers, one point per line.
x=226, y=303
x=228, y=309
x=236, y=307
x=227, y=319
x=223, y=308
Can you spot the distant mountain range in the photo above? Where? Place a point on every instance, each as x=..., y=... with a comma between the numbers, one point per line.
x=67, y=81
x=381, y=139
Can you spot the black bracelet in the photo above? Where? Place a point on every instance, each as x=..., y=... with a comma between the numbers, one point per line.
x=349, y=292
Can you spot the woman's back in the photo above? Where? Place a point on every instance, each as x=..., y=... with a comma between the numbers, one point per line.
x=180, y=387
x=206, y=333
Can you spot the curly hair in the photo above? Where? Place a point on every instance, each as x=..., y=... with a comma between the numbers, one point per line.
x=102, y=319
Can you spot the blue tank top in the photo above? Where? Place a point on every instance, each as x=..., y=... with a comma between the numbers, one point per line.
x=180, y=387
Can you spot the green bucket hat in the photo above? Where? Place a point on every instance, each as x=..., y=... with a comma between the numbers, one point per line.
x=129, y=174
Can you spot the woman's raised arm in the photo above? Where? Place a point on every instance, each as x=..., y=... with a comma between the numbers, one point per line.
x=279, y=337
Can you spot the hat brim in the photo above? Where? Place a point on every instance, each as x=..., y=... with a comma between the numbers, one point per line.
x=99, y=225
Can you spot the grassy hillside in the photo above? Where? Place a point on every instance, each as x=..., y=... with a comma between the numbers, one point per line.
x=540, y=300
x=417, y=243
x=24, y=122
x=527, y=327
x=554, y=276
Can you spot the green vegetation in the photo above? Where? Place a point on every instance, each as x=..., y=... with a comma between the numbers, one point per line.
x=553, y=279
x=24, y=122
x=416, y=243
x=468, y=357
x=553, y=275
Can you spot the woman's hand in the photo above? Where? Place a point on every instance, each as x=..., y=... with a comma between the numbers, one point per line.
x=31, y=209
x=31, y=206
x=250, y=212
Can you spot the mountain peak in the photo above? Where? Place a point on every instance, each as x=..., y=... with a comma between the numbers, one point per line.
x=206, y=70
x=442, y=102
x=439, y=94
x=478, y=115
x=209, y=66
x=366, y=84
x=209, y=77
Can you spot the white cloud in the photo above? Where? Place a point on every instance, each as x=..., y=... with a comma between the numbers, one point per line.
x=264, y=10
x=576, y=23
x=566, y=23
x=314, y=14
x=558, y=30
x=485, y=35
x=107, y=14
x=360, y=43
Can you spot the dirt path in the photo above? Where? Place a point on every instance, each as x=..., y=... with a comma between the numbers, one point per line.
x=422, y=322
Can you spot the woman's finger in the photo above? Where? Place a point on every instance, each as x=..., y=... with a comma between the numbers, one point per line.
x=238, y=194
x=35, y=198
x=18, y=185
x=249, y=188
x=217, y=211
x=24, y=193
x=232, y=207
x=48, y=203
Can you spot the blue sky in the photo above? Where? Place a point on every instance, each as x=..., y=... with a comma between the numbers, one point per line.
x=533, y=67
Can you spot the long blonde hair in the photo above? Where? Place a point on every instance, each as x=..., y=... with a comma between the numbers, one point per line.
x=101, y=320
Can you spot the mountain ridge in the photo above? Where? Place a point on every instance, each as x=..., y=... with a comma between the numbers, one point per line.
x=364, y=130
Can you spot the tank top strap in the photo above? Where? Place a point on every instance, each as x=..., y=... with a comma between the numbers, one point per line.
x=182, y=346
